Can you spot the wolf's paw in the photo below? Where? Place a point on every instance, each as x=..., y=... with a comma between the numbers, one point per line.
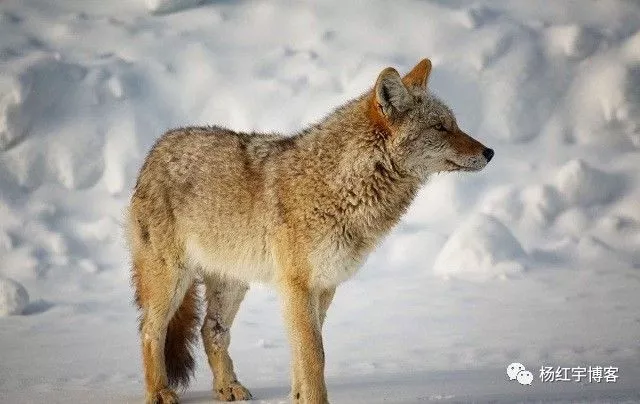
x=233, y=392
x=164, y=396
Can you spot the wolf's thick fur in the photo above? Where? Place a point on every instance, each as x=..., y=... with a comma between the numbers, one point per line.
x=299, y=212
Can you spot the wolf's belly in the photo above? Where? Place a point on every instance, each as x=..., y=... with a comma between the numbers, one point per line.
x=244, y=263
x=249, y=262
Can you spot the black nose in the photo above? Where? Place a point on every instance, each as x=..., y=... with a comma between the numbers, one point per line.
x=488, y=154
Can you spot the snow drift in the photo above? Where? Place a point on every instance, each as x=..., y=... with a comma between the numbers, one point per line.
x=547, y=234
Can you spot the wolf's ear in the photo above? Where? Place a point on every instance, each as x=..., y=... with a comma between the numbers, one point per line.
x=419, y=75
x=391, y=94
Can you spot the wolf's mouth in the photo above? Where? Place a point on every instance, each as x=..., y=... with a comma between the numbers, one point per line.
x=457, y=167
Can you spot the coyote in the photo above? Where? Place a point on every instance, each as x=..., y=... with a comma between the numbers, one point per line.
x=216, y=207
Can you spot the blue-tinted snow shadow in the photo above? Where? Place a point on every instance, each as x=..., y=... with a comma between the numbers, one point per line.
x=480, y=386
x=37, y=307
x=268, y=394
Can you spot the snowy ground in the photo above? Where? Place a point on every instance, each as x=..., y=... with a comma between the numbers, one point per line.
x=534, y=260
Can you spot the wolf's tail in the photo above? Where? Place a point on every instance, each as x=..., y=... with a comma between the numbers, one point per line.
x=181, y=336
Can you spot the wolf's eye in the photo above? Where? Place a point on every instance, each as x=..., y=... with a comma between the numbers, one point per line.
x=439, y=127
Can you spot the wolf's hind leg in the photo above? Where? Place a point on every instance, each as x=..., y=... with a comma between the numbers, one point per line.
x=160, y=292
x=223, y=301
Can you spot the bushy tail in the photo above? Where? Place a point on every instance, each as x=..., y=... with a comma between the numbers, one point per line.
x=181, y=336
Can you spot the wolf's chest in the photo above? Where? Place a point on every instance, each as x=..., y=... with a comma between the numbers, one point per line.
x=333, y=263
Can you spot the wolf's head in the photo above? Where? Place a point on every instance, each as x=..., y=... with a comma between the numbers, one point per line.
x=424, y=135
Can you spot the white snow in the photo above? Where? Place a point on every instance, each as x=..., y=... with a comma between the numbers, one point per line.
x=533, y=260
x=583, y=185
x=482, y=247
x=13, y=297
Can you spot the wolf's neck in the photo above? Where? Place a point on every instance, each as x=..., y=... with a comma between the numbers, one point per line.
x=366, y=181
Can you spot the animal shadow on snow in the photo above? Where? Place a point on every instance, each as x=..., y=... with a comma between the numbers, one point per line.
x=263, y=394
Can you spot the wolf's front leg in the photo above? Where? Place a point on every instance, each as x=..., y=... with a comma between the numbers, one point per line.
x=322, y=301
x=301, y=317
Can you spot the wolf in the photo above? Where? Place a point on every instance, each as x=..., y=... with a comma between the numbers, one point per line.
x=214, y=210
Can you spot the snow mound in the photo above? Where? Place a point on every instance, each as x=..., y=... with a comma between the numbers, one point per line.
x=53, y=104
x=603, y=106
x=480, y=249
x=576, y=186
x=504, y=203
x=13, y=297
x=541, y=204
x=574, y=41
x=535, y=205
x=48, y=99
x=167, y=6
x=583, y=185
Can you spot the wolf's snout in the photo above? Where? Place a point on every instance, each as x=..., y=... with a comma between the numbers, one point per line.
x=488, y=154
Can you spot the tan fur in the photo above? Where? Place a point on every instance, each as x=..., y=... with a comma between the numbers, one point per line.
x=300, y=212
